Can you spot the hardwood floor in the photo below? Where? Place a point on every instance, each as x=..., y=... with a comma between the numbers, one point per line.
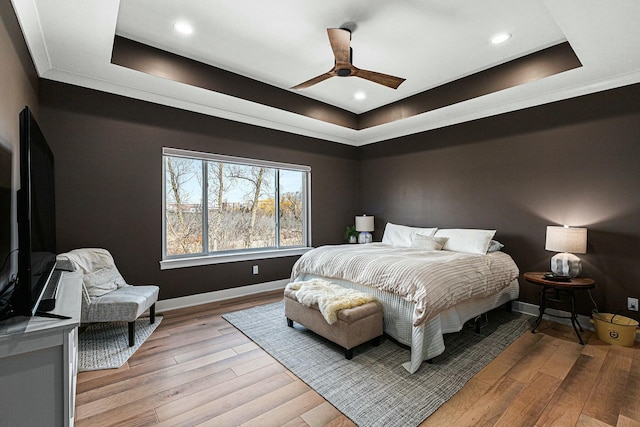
x=197, y=369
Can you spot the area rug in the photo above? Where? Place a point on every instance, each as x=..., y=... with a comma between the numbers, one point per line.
x=106, y=345
x=373, y=389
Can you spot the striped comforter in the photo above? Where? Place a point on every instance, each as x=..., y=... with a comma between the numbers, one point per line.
x=433, y=281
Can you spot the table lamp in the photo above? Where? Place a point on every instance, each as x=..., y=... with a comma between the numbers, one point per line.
x=566, y=240
x=364, y=224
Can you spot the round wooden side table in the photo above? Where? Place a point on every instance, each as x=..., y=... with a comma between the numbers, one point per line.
x=559, y=292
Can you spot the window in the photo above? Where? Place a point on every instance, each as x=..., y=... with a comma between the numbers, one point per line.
x=220, y=208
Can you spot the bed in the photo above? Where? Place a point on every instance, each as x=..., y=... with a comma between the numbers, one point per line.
x=429, y=281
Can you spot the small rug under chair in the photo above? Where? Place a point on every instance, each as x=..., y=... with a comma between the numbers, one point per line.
x=373, y=389
x=106, y=345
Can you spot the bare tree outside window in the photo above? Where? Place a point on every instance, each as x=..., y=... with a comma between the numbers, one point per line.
x=183, y=206
x=291, y=208
x=257, y=187
x=248, y=207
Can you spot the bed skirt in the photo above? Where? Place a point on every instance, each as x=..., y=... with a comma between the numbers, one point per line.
x=426, y=340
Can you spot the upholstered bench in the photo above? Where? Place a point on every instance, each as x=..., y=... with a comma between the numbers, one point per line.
x=354, y=326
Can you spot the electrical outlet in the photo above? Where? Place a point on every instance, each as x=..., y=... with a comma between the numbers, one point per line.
x=255, y=271
x=632, y=304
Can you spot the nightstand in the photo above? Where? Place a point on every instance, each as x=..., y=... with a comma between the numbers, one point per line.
x=560, y=292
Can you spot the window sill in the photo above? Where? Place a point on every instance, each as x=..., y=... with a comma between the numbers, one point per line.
x=168, y=264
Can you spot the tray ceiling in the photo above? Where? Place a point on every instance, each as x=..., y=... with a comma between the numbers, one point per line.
x=284, y=42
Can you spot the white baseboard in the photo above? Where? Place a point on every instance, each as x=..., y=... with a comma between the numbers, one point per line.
x=193, y=300
x=241, y=291
x=534, y=310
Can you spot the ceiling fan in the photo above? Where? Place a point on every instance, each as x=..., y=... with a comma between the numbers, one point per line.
x=340, y=40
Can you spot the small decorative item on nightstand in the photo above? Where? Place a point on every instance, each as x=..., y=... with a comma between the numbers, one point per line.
x=351, y=234
x=364, y=224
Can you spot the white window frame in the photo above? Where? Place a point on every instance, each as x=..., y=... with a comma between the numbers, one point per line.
x=190, y=260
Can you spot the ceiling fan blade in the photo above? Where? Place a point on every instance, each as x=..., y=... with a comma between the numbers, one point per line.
x=311, y=82
x=340, y=40
x=383, y=79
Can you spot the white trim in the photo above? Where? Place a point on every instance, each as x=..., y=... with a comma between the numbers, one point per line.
x=30, y=24
x=195, y=261
x=307, y=206
x=244, y=161
x=193, y=300
x=534, y=310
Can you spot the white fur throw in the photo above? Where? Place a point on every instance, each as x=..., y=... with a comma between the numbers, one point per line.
x=330, y=297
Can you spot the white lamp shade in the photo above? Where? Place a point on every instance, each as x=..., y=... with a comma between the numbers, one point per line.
x=364, y=223
x=566, y=239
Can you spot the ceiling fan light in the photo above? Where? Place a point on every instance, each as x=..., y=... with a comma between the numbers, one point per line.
x=500, y=38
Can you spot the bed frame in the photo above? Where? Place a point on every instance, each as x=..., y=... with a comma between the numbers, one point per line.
x=426, y=340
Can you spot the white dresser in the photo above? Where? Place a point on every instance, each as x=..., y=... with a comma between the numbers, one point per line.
x=39, y=361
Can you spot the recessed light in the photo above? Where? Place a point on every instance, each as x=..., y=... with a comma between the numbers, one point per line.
x=360, y=96
x=500, y=38
x=183, y=27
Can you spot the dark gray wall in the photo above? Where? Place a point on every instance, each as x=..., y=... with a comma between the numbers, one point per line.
x=108, y=153
x=18, y=87
x=573, y=162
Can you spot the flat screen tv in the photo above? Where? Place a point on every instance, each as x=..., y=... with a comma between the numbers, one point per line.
x=36, y=217
x=6, y=205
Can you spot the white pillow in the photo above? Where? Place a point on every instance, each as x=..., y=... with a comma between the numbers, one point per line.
x=428, y=243
x=466, y=240
x=103, y=281
x=402, y=235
